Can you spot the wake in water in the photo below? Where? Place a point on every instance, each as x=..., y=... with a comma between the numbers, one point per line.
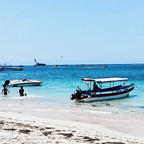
x=30, y=96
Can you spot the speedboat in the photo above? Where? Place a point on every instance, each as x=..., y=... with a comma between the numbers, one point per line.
x=22, y=82
x=98, y=93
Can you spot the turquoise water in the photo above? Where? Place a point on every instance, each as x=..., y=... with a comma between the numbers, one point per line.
x=59, y=83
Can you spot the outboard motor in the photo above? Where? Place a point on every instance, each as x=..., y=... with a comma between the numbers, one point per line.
x=77, y=95
x=72, y=96
x=6, y=82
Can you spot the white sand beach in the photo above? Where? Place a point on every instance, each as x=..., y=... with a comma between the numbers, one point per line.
x=17, y=128
x=71, y=72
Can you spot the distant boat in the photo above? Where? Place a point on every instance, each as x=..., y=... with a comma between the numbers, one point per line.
x=20, y=65
x=1, y=68
x=55, y=66
x=39, y=64
x=13, y=68
x=90, y=67
x=16, y=68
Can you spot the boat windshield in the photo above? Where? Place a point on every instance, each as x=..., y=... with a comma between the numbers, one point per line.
x=24, y=79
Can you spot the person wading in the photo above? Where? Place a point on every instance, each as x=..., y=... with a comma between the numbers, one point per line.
x=21, y=91
x=5, y=90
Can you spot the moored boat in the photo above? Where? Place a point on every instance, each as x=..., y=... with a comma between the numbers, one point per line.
x=39, y=64
x=97, y=93
x=16, y=69
x=1, y=69
x=23, y=82
x=13, y=68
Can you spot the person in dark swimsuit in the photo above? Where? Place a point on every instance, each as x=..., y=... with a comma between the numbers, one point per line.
x=21, y=91
x=5, y=91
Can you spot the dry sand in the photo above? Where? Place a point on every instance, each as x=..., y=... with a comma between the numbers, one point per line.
x=24, y=129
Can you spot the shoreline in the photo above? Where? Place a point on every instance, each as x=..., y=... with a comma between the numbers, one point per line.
x=123, y=123
x=24, y=121
x=35, y=122
x=31, y=129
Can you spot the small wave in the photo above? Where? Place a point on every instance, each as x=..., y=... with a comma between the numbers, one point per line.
x=140, y=107
x=33, y=96
x=97, y=112
x=24, y=97
x=64, y=110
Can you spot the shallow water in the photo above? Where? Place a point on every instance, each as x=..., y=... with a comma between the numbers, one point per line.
x=59, y=83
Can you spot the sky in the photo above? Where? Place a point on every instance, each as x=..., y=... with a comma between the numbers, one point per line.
x=71, y=31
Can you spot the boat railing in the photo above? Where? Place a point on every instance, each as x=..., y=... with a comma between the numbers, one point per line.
x=107, y=89
x=115, y=89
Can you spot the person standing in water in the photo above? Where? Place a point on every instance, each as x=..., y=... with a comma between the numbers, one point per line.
x=21, y=91
x=5, y=90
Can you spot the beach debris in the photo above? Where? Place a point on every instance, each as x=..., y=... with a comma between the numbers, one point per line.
x=42, y=129
x=24, y=131
x=46, y=133
x=17, y=131
x=1, y=122
x=66, y=134
x=57, y=130
x=113, y=143
x=49, y=127
x=89, y=139
x=10, y=129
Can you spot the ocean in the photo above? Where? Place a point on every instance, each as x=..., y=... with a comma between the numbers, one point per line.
x=59, y=83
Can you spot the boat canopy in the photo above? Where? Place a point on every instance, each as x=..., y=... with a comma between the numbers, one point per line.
x=105, y=80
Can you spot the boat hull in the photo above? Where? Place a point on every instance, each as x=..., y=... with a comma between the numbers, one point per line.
x=105, y=96
x=24, y=84
x=19, y=83
x=102, y=98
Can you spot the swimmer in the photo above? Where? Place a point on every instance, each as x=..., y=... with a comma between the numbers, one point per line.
x=5, y=90
x=21, y=91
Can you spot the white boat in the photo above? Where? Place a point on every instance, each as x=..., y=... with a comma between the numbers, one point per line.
x=99, y=94
x=22, y=82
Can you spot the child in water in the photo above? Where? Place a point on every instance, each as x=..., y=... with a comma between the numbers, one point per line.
x=5, y=90
x=21, y=91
